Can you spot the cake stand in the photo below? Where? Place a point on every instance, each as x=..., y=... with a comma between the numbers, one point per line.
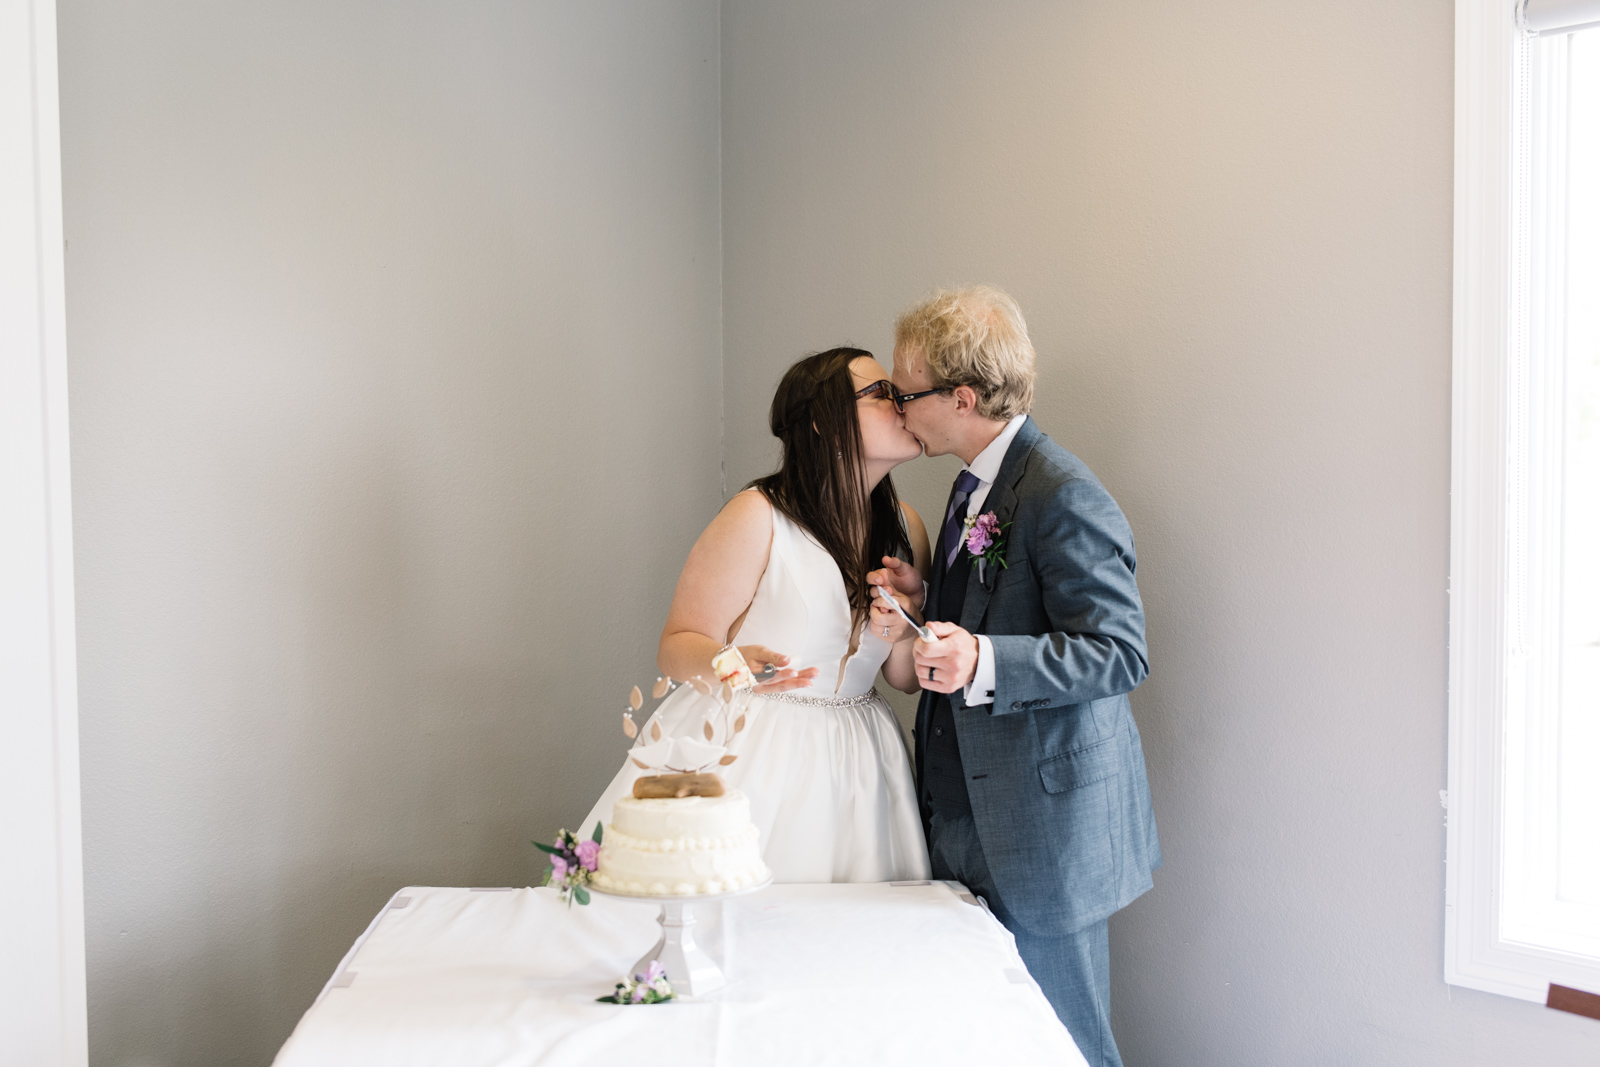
x=688, y=968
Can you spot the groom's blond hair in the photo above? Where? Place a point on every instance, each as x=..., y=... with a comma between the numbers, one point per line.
x=974, y=337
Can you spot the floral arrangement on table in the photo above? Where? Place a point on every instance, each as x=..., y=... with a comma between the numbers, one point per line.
x=572, y=862
x=651, y=987
x=986, y=541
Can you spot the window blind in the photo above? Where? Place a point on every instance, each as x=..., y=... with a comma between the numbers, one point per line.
x=1550, y=17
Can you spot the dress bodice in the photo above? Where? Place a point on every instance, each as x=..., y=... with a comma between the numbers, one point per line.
x=801, y=610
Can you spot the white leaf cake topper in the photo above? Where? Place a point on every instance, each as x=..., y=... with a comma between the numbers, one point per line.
x=665, y=755
x=678, y=755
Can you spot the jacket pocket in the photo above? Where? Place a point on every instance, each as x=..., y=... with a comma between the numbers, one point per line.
x=1081, y=767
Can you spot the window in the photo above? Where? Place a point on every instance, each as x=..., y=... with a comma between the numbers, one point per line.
x=1552, y=856
x=1523, y=884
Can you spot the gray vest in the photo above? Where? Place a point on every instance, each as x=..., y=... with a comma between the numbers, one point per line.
x=944, y=786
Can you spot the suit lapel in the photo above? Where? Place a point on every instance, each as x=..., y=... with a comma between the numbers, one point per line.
x=1002, y=500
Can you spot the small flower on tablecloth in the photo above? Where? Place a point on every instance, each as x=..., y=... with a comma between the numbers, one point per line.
x=650, y=987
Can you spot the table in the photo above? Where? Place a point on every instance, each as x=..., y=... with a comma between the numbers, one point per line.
x=885, y=973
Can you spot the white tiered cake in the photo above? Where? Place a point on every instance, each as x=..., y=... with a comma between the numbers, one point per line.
x=680, y=846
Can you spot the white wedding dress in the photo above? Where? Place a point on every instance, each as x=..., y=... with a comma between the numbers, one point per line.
x=825, y=768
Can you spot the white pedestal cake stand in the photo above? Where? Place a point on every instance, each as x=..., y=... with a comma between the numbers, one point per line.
x=688, y=968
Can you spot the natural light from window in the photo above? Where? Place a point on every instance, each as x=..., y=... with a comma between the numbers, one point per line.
x=1552, y=817
x=1580, y=580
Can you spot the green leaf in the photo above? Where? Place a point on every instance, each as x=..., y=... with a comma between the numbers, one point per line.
x=546, y=848
x=581, y=894
x=597, y=833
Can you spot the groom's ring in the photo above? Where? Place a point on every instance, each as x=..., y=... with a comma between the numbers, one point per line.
x=886, y=631
x=930, y=674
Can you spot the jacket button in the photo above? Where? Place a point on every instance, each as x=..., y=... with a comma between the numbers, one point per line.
x=1016, y=705
x=938, y=731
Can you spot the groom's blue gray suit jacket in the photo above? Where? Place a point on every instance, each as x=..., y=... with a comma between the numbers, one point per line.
x=1053, y=767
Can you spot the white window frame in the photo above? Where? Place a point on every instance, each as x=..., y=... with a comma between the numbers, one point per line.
x=42, y=988
x=1486, y=334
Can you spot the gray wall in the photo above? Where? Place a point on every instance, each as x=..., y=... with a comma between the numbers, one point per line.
x=1230, y=228
x=395, y=391
x=397, y=396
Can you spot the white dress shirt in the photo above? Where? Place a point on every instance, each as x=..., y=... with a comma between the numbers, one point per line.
x=986, y=467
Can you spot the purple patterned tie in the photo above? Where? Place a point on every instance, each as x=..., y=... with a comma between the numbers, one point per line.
x=956, y=518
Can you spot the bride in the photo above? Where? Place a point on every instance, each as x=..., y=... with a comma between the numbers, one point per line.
x=782, y=570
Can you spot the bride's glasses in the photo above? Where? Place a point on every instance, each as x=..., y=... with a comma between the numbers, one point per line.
x=882, y=389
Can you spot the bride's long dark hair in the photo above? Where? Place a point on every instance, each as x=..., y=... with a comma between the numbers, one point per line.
x=821, y=483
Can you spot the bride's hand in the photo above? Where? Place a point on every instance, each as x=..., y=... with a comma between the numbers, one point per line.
x=886, y=623
x=758, y=656
x=898, y=576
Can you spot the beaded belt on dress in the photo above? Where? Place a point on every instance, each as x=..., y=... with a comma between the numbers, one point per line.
x=826, y=702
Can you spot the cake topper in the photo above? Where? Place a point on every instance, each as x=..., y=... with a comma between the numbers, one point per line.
x=682, y=766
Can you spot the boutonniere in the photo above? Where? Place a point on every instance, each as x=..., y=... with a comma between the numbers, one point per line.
x=986, y=540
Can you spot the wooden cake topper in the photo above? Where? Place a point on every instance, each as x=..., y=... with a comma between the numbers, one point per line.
x=681, y=766
x=660, y=786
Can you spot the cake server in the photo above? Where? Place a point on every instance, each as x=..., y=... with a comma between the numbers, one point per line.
x=922, y=631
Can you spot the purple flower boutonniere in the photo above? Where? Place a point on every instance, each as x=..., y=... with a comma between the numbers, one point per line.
x=986, y=541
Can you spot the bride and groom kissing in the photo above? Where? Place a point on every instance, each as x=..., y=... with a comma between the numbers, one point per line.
x=1029, y=781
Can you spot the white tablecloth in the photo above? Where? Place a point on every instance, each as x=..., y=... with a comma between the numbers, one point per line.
x=817, y=974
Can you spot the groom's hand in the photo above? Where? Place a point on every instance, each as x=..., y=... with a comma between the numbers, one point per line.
x=952, y=659
x=901, y=577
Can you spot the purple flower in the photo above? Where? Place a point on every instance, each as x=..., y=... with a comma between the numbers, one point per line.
x=558, y=868
x=982, y=533
x=653, y=972
x=588, y=854
x=638, y=995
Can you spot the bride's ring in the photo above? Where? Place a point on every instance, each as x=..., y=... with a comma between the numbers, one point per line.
x=930, y=674
x=886, y=631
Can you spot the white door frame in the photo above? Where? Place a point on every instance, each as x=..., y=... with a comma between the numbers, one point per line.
x=43, y=1018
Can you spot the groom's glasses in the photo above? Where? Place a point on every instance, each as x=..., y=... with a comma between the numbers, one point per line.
x=883, y=389
x=902, y=399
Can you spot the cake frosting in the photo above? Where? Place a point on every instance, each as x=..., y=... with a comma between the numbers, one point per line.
x=680, y=846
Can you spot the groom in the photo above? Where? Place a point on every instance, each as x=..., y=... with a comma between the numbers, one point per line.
x=1031, y=776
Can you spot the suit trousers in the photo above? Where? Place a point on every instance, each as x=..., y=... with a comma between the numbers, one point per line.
x=1074, y=970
